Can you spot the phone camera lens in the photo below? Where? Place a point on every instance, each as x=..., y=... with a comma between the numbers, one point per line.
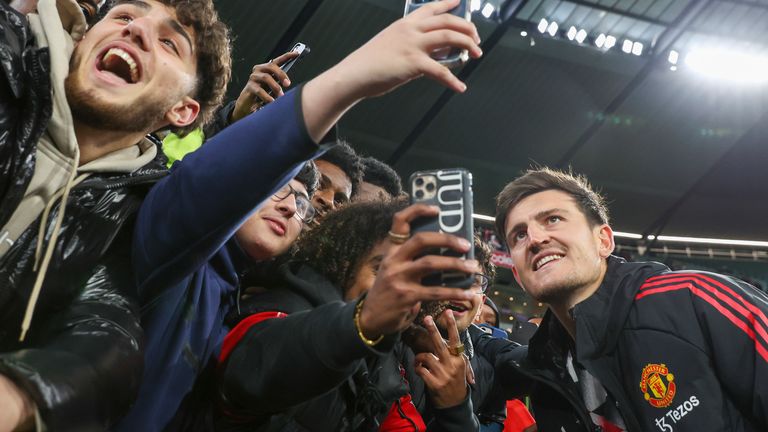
x=430, y=187
x=419, y=194
x=419, y=181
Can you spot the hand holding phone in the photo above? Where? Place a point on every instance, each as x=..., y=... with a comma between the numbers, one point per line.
x=451, y=191
x=449, y=57
x=397, y=294
x=266, y=82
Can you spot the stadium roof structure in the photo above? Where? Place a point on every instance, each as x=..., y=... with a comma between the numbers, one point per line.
x=618, y=90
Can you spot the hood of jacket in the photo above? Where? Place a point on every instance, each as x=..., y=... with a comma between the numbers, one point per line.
x=286, y=287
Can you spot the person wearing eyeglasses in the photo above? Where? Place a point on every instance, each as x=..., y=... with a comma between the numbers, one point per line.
x=289, y=364
x=169, y=372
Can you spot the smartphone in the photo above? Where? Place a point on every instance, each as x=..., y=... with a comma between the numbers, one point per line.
x=448, y=57
x=493, y=331
x=451, y=190
x=300, y=48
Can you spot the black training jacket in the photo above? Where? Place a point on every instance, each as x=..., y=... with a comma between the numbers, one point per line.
x=680, y=351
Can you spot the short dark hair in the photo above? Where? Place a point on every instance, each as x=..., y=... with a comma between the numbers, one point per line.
x=309, y=176
x=214, y=62
x=344, y=157
x=336, y=248
x=533, y=181
x=380, y=174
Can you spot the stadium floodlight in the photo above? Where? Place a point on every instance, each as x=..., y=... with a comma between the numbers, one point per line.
x=600, y=40
x=542, y=27
x=581, y=36
x=610, y=42
x=552, y=29
x=673, y=57
x=637, y=48
x=627, y=46
x=729, y=65
x=488, y=10
x=571, y=33
x=475, y=5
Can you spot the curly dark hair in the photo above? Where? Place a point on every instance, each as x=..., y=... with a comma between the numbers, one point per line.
x=213, y=48
x=344, y=157
x=483, y=252
x=380, y=174
x=336, y=248
x=309, y=176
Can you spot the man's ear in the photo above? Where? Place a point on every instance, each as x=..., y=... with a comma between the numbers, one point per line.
x=183, y=113
x=517, y=277
x=606, y=242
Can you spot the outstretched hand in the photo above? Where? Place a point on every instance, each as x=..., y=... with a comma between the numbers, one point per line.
x=394, y=300
x=402, y=51
x=398, y=54
x=265, y=84
x=444, y=372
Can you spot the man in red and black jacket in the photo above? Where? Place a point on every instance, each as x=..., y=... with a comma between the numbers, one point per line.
x=625, y=346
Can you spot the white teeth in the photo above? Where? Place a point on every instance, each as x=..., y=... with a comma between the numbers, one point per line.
x=546, y=259
x=128, y=59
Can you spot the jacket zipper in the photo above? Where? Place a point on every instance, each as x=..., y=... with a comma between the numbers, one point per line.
x=581, y=411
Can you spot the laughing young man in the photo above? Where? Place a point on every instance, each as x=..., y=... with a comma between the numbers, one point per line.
x=75, y=167
x=626, y=346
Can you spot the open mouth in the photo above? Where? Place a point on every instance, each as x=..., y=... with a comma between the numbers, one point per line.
x=121, y=64
x=541, y=262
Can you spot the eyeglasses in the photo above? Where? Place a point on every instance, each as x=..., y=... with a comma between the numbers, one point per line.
x=482, y=281
x=304, y=210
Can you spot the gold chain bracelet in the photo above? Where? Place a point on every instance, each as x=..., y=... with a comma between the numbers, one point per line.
x=365, y=340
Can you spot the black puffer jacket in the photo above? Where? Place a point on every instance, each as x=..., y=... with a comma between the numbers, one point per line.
x=25, y=107
x=82, y=360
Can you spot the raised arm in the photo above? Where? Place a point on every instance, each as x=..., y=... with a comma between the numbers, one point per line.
x=191, y=213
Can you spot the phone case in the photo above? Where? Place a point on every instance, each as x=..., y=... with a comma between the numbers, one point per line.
x=451, y=190
x=448, y=57
x=302, y=49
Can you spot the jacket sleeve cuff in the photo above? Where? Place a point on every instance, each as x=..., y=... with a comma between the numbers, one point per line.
x=350, y=346
x=457, y=418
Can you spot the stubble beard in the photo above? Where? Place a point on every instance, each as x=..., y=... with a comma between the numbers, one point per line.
x=87, y=108
x=562, y=292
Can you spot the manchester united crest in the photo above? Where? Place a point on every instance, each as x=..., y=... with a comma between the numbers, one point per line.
x=657, y=385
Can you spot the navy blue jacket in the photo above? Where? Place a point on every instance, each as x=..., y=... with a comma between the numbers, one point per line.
x=185, y=259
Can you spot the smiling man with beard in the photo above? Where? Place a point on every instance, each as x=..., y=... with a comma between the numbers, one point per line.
x=76, y=164
x=624, y=346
